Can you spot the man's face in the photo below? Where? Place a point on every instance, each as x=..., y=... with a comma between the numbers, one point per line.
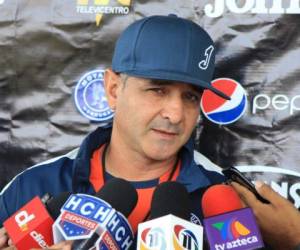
x=155, y=118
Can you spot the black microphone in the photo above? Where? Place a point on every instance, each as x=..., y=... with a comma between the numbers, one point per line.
x=170, y=198
x=120, y=194
x=53, y=204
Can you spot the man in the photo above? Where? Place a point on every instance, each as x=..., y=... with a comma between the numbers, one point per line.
x=160, y=67
x=279, y=221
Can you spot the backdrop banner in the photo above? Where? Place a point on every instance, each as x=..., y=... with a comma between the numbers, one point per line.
x=53, y=55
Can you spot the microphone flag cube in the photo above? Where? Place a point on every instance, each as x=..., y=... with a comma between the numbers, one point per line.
x=83, y=215
x=30, y=226
x=233, y=230
x=169, y=232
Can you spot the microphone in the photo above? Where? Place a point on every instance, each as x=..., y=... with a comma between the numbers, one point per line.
x=170, y=198
x=169, y=227
x=227, y=224
x=220, y=199
x=98, y=220
x=53, y=205
x=31, y=225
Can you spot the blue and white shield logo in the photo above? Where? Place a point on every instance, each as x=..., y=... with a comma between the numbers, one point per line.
x=73, y=230
x=90, y=97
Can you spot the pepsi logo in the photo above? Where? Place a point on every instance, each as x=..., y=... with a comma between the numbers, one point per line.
x=219, y=110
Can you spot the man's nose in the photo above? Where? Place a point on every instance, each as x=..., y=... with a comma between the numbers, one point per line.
x=173, y=109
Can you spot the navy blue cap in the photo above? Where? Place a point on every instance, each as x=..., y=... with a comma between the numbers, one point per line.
x=167, y=48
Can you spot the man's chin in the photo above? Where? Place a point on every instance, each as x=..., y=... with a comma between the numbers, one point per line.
x=162, y=155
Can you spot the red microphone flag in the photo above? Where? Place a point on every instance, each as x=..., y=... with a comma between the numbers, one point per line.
x=30, y=226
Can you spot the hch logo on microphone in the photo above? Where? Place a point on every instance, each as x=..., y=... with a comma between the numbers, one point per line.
x=83, y=214
x=23, y=218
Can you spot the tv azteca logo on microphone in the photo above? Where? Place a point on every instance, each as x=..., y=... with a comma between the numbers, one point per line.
x=234, y=230
x=231, y=229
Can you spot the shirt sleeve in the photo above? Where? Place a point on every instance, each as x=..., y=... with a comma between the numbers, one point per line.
x=9, y=198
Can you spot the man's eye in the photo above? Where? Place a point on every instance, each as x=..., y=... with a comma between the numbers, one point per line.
x=159, y=91
x=192, y=97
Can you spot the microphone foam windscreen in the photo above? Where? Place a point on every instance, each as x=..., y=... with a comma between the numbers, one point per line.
x=170, y=198
x=53, y=205
x=120, y=194
x=219, y=199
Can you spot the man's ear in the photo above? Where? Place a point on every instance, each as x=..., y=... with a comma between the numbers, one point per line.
x=111, y=85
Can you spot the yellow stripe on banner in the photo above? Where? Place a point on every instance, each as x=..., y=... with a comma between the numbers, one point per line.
x=101, y=2
x=98, y=18
x=82, y=2
x=124, y=2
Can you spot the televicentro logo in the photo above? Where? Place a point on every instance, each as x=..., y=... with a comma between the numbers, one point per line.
x=253, y=6
x=100, y=7
x=184, y=239
x=90, y=98
x=153, y=238
x=219, y=110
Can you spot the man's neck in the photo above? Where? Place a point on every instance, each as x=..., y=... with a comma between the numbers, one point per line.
x=130, y=165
